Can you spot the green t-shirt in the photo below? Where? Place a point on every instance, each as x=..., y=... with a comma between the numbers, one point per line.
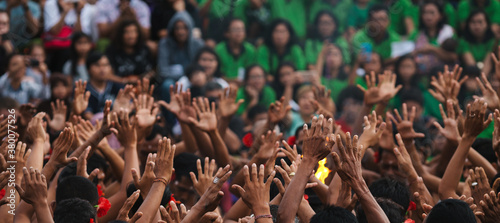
x=397, y=15
x=335, y=85
x=384, y=47
x=478, y=50
x=340, y=10
x=221, y=8
x=313, y=47
x=292, y=10
x=465, y=7
x=358, y=16
x=413, y=11
x=233, y=67
x=267, y=96
x=270, y=61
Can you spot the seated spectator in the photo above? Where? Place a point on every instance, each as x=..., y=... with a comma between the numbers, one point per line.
x=331, y=69
x=38, y=70
x=219, y=12
x=60, y=97
x=256, y=15
x=280, y=45
x=81, y=47
x=286, y=83
x=209, y=60
x=165, y=10
x=339, y=8
x=304, y=97
x=24, y=19
x=178, y=49
x=491, y=8
x=412, y=16
x=18, y=82
x=128, y=54
x=235, y=53
x=111, y=12
x=254, y=90
x=369, y=63
x=358, y=15
x=6, y=46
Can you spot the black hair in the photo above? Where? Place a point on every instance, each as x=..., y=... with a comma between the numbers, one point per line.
x=56, y=79
x=8, y=103
x=192, y=69
x=164, y=200
x=255, y=110
x=185, y=163
x=94, y=162
x=334, y=214
x=157, y=130
x=273, y=209
x=278, y=87
x=315, y=33
x=92, y=59
x=213, y=86
x=381, y=59
x=73, y=54
x=484, y=147
x=76, y=187
x=472, y=71
x=350, y=92
x=74, y=210
x=451, y=210
x=230, y=22
x=469, y=36
x=377, y=8
x=250, y=68
x=11, y=56
x=411, y=94
x=268, y=38
x=392, y=189
x=440, y=24
x=415, y=79
x=120, y=31
x=209, y=50
x=394, y=212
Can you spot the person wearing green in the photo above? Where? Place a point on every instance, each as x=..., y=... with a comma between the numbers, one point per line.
x=339, y=8
x=412, y=12
x=254, y=91
x=478, y=40
x=325, y=30
x=293, y=11
x=331, y=70
x=235, y=54
x=358, y=14
x=491, y=7
x=381, y=40
x=279, y=46
x=218, y=12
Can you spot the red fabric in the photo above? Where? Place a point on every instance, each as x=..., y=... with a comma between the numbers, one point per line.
x=2, y=193
x=60, y=41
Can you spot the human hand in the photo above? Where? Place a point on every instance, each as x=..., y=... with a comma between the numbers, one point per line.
x=479, y=185
x=146, y=111
x=405, y=125
x=269, y=165
x=386, y=139
x=206, y=114
x=488, y=93
x=423, y=209
x=58, y=120
x=497, y=63
x=371, y=133
x=205, y=177
x=318, y=141
x=474, y=120
x=36, y=129
x=26, y=113
x=345, y=198
x=447, y=84
x=490, y=206
x=81, y=166
x=145, y=183
x=124, y=98
x=164, y=163
x=213, y=195
x=349, y=169
x=323, y=97
x=252, y=92
x=81, y=97
x=33, y=189
x=174, y=216
x=496, y=132
x=268, y=141
x=126, y=131
x=129, y=203
x=180, y=105
x=61, y=148
x=278, y=111
x=227, y=102
x=20, y=156
x=385, y=90
x=107, y=125
x=255, y=193
x=290, y=153
x=211, y=217
x=450, y=130
x=404, y=159
x=288, y=173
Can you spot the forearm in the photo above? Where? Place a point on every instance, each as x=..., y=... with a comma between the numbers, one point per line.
x=478, y=160
x=93, y=141
x=222, y=125
x=449, y=150
x=305, y=211
x=220, y=150
x=43, y=214
x=321, y=190
x=262, y=210
x=35, y=159
x=131, y=162
x=151, y=203
x=238, y=210
x=203, y=142
x=24, y=212
x=49, y=169
x=373, y=211
x=451, y=177
x=239, y=179
x=294, y=193
x=116, y=162
x=59, y=25
x=188, y=138
x=232, y=141
x=32, y=23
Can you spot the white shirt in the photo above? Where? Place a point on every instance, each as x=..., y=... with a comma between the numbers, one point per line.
x=51, y=15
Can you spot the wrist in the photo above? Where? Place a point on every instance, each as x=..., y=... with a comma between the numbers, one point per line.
x=468, y=137
x=261, y=210
x=38, y=140
x=40, y=204
x=308, y=162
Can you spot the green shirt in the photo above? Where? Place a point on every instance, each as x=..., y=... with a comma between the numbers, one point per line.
x=340, y=10
x=384, y=47
x=397, y=15
x=313, y=48
x=465, y=7
x=413, y=12
x=335, y=85
x=358, y=16
x=292, y=10
x=266, y=97
x=478, y=50
x=270, y=61
x=221, y=8
x=232, y=66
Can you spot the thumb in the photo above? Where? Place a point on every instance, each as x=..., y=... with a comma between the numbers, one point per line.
x=135, y=177
x=136, y=217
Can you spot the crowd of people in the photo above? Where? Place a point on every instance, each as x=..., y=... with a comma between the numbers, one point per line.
x=250, y=111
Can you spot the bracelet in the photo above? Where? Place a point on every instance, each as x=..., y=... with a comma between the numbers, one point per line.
x=263, y=216
x=159, y=179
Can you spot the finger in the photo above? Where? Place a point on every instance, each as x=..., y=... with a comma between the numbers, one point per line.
x=136, y=217
x=94, y=174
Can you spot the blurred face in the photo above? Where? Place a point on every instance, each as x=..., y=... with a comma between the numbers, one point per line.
x=184, y=191
x=130, y=35
x=305, y=105
x=350, y=109
x=256, y=78
x=209, y=62
x=478, y=25
x=83, y=46
x=286, y=75
x=407, y=69
x=4, y=23
x=17, y=67
x=471, y=84
x=418, y=108
x=236, y=32
x=38, y=53
x=59, y=91
x=379, y=21
x=181, y=31
x=326, y=26
x=334, y=57
x=198, y=79
x=431, y=15
x=389, y=166
x=101, y=69
x=375, y=64
x=281, y=36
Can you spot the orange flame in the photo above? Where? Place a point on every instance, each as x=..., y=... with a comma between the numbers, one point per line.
x=323, y=171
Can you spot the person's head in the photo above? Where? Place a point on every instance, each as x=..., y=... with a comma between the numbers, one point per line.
x=350, y=102
x=388, y=165
x=128, y=34
x=394, y=212
x=326, y=25
x=81, y=44
x=213, y=91
x=303, y=97
x=4, y=22
x=16, y=67
x=235, y=31
x=478, y=27
x=406, y=71
x=334, y=214
x=60, y=87
x=394, y=190
x=8, y=104
x=182, y=185
x=256, y=113
x=413, y=98
x=378, y=19
x=209, y=60
x=74, y=210
x=334, y=58
x=286, y=73
x=280, y=35
x=432, y=16
x=76, y=187
x=196, y=75
x=98, y=66
x=472, y=72
x=37, y=52
x=179, y=27
x=255, y=77
x=451, y=210
x=375, y=64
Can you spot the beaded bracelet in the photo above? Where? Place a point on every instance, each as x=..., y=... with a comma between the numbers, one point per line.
x=263, y=216
x=161, y=180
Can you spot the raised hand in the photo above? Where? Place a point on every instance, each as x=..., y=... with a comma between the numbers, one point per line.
x=58, y=120
x=474, y=120
x=385, y=90
x=290, y=153
x=205, y=177
x=404, y=159
x=124, y=98
x=33, y=188
x=129, y=203
x=488, y=93
x=180, y=105
x=60, y=148
x=324, y=101
x=143, y=87
x=490, y=205
x=404, y=125
x=211, y=217
x=227, y=102
x=345, y=198
x=106, y=125
x=349, y=169
x=387, y=137
x=479, y=184
x=447, y=84
x=496, y=132
x=206, y=114
x=268, y=140
x=450, y=130
x=81, y=167
x=126, y=131
x=174, y=216
x=146, y=111
x=36, y=130
x=497, y=63
x=21, y=155
x=81, y=97
x=371, y=133
x=278, y=111
x=318, y=141
x=255, y=193
x=164, y=163
x=145, y=183
x=212, y=196
x=174, y=105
